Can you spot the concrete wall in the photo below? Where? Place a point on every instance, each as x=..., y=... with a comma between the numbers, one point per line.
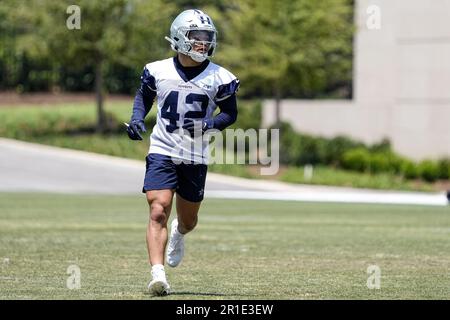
x=329, y=118
x=401, y=82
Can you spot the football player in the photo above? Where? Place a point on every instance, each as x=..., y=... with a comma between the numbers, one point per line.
x=188, y=88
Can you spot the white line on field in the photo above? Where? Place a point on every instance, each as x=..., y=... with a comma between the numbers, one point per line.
x=337, y=197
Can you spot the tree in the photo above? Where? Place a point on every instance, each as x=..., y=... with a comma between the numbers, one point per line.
x=285, y=47
x=111, y=31
x=297, y=48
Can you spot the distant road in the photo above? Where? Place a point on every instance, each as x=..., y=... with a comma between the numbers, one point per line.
x=32, y=167
x=28, y=167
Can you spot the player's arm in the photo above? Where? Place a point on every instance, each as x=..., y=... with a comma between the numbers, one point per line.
x=226, y=101
x=142, y=105
x=226, y=117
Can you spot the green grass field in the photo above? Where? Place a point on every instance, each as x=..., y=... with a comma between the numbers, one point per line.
x=240, y=250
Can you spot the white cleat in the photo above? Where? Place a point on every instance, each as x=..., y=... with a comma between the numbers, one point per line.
x=175, y=249
x=159, y=285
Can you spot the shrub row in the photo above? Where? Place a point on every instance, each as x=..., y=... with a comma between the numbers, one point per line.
x=365, y=161
x=299, y=149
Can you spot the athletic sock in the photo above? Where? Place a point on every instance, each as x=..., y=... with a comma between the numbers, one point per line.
x=158, y=268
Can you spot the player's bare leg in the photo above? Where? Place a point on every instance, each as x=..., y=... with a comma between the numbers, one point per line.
x=160, y=203
x=187, y=213
x=187, y=216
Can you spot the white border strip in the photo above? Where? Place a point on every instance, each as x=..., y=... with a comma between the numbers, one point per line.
x=336, y=197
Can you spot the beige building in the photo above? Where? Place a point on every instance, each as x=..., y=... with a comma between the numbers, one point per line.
x=401, y=81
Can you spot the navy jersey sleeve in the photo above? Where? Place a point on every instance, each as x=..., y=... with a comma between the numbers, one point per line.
x=227, y=90
x=228, y=113
x=145, y=96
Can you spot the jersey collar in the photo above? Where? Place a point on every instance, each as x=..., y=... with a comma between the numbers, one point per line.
x=189, y=73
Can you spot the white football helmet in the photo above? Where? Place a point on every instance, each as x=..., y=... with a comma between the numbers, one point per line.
x=193, y=33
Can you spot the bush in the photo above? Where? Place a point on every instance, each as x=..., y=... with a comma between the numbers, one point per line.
x=395, y=162
x=361, y=159
x=386, y=161
x=336, y=147
x=409, y=169
x=444, y=169
x=429, y=170
x=356, y=159
x=289, y=145
x=311, y=150
x=380, y=162
x=299, y=149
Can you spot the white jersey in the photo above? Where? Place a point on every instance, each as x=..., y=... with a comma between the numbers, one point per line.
x=179, y=101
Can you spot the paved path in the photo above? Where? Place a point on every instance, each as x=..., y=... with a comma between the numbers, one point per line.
x=27, y=167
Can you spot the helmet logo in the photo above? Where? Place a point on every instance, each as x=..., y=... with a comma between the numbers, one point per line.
x=205, y=20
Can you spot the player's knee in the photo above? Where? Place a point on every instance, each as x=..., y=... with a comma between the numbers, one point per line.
x=159, y=201
x=157, y=213
x=188, y=225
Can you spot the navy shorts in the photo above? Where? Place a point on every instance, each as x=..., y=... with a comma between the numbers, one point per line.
x=188, y=180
